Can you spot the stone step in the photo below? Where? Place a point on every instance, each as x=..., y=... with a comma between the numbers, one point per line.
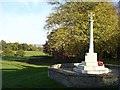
x=83, y=67
x=94, y=68
x=91, y=71
x=95, y=63
x=95, y=71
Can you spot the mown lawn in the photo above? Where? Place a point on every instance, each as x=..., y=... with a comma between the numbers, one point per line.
x=34, y=53
x=27, y=55
x=23, y=75
x=16, y=74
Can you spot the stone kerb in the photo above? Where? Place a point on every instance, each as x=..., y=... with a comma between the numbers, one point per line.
x=69, y=78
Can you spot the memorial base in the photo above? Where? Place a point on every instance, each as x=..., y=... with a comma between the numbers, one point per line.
x=90, y=65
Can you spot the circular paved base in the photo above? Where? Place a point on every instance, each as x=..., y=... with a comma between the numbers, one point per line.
x=64, y=74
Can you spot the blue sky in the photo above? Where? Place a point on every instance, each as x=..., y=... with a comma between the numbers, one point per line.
x=24, y=21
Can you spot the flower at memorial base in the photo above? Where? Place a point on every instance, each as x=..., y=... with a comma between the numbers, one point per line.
x=100, y=63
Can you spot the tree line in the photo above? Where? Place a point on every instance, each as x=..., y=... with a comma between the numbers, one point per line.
x=19, y=46
x=9, y=48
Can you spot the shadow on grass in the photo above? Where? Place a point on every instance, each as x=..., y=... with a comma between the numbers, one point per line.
x=28, y=77
x=49, y=60
x=15, y=58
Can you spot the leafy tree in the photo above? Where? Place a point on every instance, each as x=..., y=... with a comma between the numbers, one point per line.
x=23, y=46
x=46, y=48
x=8, y=52
x=32, y=48
x=9, y=46
x=20, y=53
x=39, y=48
x=3, y=44
x=15, y=46
x=118, y=34
x=70, y=27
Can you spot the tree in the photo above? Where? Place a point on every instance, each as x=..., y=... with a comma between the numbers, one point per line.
x=9, y=46
x=8, y=52
x=70, y=27
x=3, y=44
x=15, y=46
x=20, y=53
x=118, y=34
x=32, y=48
x=39, y=48
x=23, y=46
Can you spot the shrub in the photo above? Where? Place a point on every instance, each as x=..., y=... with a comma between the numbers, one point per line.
x=20, y=53
x=8, y=52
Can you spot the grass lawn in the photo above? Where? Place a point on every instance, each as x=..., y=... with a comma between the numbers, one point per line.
x=34, y=53
x=27, y=55
x=23, y=75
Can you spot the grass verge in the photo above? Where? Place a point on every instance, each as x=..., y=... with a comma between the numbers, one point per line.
x=23, y=75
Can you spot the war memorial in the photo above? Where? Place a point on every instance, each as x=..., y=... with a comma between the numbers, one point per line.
x=90, y=73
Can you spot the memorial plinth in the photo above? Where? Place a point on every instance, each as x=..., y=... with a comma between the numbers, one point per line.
x=90, y=65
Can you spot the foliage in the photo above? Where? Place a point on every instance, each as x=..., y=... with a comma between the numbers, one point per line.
x=17, y=46
x=8, y=52
x=20, y=53
x=23, y=46
x=70, y=28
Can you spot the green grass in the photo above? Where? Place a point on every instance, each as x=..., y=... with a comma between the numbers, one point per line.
x=14, y=58
x=27, y=55
x=34, y=53
x=23, y=75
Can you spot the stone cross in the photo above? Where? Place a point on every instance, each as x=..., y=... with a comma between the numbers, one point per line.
x=91, y=15
x=91, y=47
x=90, y=65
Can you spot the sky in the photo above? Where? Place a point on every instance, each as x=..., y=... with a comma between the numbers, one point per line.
x=23, y=20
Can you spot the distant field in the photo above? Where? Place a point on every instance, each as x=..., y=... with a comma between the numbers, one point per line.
x=34, y=53
x=27, y=55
